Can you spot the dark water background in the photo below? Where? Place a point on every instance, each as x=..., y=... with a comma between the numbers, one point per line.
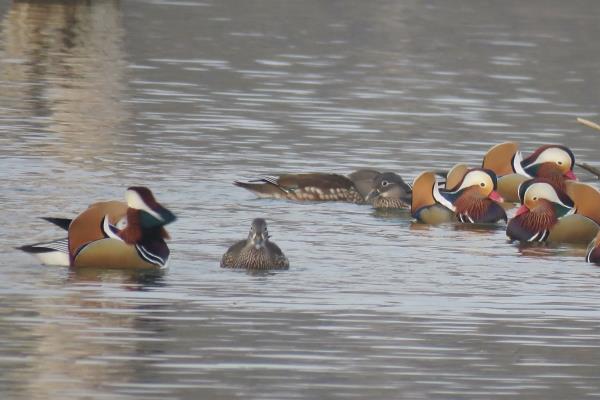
x=186, y=96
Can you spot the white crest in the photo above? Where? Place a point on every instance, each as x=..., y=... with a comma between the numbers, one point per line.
x=134, y=200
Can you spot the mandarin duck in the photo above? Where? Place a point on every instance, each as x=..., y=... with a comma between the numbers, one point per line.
x=256, y=252
x=310, y=186
x=548, y=214
x=389, y=191
x=552, y=162
x=472, y=198
x=112, y=234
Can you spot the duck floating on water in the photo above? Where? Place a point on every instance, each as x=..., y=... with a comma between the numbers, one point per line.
x=389, y=192
x=256, y=252
x=301, y=187
x=112, y=234
x=553, y=162
x=548, y=214
x=473, y=199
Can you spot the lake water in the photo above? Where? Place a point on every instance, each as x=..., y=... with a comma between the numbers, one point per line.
x=186, y=96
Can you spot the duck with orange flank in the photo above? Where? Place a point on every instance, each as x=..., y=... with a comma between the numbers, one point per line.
x=112, y=234
x=471, y=198
x=552, y=162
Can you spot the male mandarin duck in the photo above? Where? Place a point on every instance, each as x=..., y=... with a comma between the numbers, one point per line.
x=389, y=191
x=593, y=251
x=256, y=252
x=112, y=234
x=310, y=186
x=471, y=199
x=547, y=214
x=552, y=162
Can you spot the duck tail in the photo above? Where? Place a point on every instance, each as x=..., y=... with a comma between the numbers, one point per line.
x=55, y=252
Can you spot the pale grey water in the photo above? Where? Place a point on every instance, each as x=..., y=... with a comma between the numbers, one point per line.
x=186, y=96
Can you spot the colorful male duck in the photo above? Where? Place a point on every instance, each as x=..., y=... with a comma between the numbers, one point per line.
x=548, y=214
x=552, y=162
x=312, y=186
x=390, y=191
x=112, y=234
x=473, y=199
x=256, y=252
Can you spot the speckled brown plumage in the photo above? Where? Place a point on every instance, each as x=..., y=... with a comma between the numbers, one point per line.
x=303, y=187
x=256, y=252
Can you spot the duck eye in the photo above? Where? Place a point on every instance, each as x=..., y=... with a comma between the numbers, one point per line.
x=535, y=199
x=384, y=183
x=560, y=163
x=482, y=184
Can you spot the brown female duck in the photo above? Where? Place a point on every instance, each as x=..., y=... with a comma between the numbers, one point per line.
x=300, y=187
x=390, y=191
x=256, y=252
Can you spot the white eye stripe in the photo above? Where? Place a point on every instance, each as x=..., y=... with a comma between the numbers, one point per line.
x=544, y=191
x=476, y=178
x=553, y=155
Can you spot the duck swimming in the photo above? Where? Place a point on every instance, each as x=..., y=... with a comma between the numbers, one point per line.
x=472, y=200
x=256, y=252
x=112, y=234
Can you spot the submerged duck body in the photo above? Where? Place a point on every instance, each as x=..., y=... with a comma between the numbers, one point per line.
x=257, y=252
x=472, y=200
x=548, y=214
x=302, y=187
x=552, y=162
x=112, y=234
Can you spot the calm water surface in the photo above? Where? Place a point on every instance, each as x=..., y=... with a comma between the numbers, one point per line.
x=186, y=96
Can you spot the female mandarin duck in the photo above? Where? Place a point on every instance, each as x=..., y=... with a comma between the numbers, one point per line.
x=256, y=252
x=548, y=214
x=552, y=162
x=593, y=251
x=389, y=191
x=112, y=234
x=472, y=199
x=312, y=186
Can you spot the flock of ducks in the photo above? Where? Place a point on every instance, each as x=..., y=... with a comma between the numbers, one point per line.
x=553, y=208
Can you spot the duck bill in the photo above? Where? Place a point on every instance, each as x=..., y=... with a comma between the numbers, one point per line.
x=522, y=210
x=496, y=197
x=571, y=175
x=258, y=241
x=371, y=195
x=160, y=217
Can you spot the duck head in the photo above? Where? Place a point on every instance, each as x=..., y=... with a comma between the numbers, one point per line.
x=258, y=235
x=145, y=215
x=542, y=205
x=553, y=162
x=391, y=186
